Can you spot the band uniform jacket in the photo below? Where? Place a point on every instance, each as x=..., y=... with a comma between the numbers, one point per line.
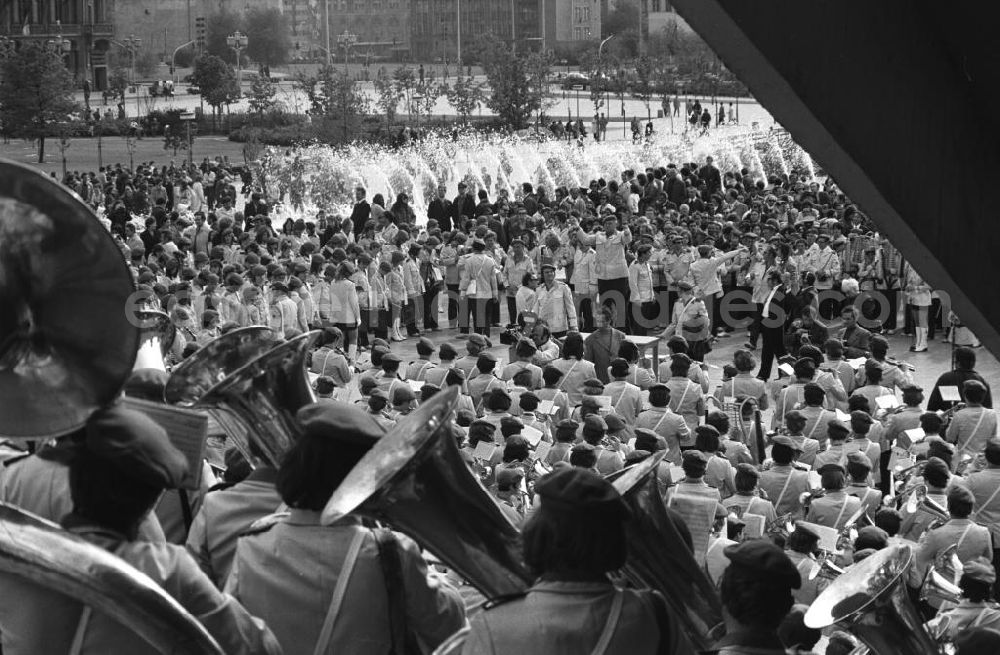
x=626, y=399
x=833, y=509
x=555, y=306
x=809, y=589
x=817, y=421
x=687, y=400
x=966, y=616
x=893, y=377
x=418, y=369
x=871, y=499
x=741, y=504
x=916, y=524
x=972, y=541
x=225, y=515
x=783, y=486
x=575, y=371
x=331, y=362
x=467, y=365
x=287, y=575
x=512, y=369
x=39, y=484
x=668, y=425
x=34, y=620
x=970, y=429
x=696, y=374
x=743, y=384
x=985, y=486
x=568, y=618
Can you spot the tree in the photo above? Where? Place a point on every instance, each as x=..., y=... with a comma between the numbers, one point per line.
x=334, y=99
x=268, y=36
x=217, y=28
x=539, y=67
x=405, y=80
x=642, y=87
x=513, y=96
x=262, y=95
x=387, y=97
x=217, y=82
x=36, y=91
x=464, y=95
x=146, y=63
x=425, y=95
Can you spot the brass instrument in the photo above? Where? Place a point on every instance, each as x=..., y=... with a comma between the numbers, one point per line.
x=824, y=568
x=941, y=580
x=216, y=361
x=870, y=601
x=264, y=392
x=157, y=335
x=658, y=558
x=415, y=479
x=59, y=561
x=67, y=345
x=919, y=499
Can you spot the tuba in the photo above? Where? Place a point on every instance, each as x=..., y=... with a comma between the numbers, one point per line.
x=264, y=390
x=67, y=347
x=67, y=344
x=415, y=479
x=870, y=601
x=658, y=558
x=59, y=561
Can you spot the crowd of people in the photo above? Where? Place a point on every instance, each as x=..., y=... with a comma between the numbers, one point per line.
x=855, y=458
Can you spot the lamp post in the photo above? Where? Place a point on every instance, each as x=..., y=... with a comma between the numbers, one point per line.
x=132, y=44
x=188, y=117
x=600, y=71
x=238, y=42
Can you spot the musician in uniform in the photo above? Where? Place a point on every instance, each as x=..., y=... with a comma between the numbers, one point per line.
x=973, y=425
x=417, y=370
x=802, y=545
x=225, y=514
x=626, y=398
x=784, y=482
x=595, y=429
x=324, y=589
x=686, y=397
x=667, y=424
x=861, y=424
x=835, y=507
x=329, y=359
x=474, y=345
x=744, y=383
x=565, y=437
x=894, y=375
x=985, y=487
x=936, y=476
x=571, y=541
x=756, y=592
x=835, y=364
x=859, y=469
x=524, y=351
x=816, y=416
x=975, y=610
x=747, y=499
x=795, y=422
x=837, y=433
x=719, y=473
x=970, y=539
x=122, y=466
x=906, y=417
x=436, y=374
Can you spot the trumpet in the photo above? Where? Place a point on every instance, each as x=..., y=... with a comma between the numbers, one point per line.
x=825, y=569
x=919, y=499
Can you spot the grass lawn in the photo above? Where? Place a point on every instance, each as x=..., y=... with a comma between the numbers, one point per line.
x=82, y=153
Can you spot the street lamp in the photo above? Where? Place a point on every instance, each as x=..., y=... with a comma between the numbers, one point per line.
x=59, y=45
x=132, y=43
x=600, y=71
x=238, y=42
x=346, y=41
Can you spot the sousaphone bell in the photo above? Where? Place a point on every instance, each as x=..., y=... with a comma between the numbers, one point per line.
x=415, y=480
x=66, y=342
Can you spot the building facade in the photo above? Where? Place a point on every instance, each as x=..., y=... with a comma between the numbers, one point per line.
x=441, y=30
x=87, y=26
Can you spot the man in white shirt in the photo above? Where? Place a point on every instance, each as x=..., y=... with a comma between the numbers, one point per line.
x=705, y=271
x=611, y=265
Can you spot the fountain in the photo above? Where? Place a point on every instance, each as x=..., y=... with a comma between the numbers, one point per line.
x=325, y=177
